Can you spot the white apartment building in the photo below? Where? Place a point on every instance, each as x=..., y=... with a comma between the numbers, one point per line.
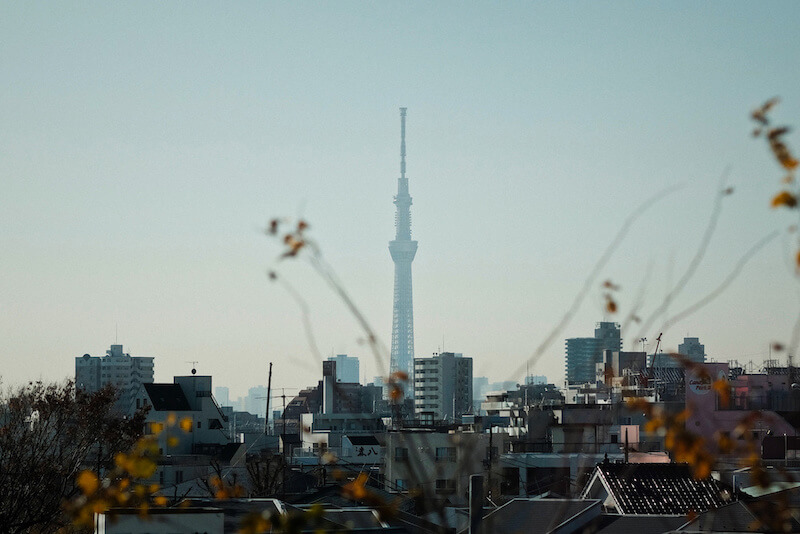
x=125, y=372
x=442, y=387
x=346, y=368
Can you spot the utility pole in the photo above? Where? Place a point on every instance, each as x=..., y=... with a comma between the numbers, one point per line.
x=269, y=391
x=283, y=437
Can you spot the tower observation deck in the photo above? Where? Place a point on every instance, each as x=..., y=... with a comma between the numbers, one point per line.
x=403, y=250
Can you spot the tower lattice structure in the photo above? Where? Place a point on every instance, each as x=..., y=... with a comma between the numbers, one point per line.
x=403, y=250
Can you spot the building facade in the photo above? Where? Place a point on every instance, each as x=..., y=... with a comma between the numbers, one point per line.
x=347, y=369
x=584, y=353
x=125, y=372
x=442, y=387
x=693, y=349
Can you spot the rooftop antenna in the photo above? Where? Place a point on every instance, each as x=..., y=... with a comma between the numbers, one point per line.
x=403, y=143
x=194, y=365
x=116, y=334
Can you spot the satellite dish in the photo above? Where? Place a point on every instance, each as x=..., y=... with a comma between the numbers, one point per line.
x=194, y=372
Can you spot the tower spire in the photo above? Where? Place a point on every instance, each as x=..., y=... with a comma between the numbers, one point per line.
x=403, y=143
x=403, y=250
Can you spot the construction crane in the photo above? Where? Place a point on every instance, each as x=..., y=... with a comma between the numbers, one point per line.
x=651, y=368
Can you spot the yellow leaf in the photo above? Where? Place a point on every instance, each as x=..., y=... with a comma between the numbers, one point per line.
x=160, y=500
x=88, y=482
x=186, y=424
x=723, y=389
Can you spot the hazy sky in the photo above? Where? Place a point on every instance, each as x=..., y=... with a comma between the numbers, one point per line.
x=144, y=145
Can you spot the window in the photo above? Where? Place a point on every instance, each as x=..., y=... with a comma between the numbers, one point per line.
x=445, y=454
x=178, y=477
x=614, y=438
x=400, y=454
x=199, y=424
x=400, y=484
x=445, y=486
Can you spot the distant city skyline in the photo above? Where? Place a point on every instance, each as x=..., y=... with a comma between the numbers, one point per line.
x=145, y=148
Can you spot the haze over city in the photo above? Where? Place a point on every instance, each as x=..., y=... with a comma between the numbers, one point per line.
x=145, y=150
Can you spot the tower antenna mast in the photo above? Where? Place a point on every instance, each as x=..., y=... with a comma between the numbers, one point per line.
x=403, y=249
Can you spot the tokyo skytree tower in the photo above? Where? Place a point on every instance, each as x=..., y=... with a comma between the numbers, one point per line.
x=403, y=250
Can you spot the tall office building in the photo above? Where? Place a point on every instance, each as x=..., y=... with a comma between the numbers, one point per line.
x=222, y=395
x=125, y=372
x=584, y=353
x=442, y=387
x=403, y=250
x=256, y=400
x=693, y=349
x=346, y=368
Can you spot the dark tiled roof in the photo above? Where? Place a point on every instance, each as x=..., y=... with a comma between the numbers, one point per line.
x=167, y=397
x=640, y=524
x=540, y=515
x=661, y=489
x=363, y=440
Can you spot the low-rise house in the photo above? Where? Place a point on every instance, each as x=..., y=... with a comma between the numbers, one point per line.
x=190, y=429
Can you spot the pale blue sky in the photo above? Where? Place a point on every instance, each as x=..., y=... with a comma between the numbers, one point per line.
x=142, y=145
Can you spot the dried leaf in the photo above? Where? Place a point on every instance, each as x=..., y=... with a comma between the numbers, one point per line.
x=784, y=198
x=775, y=133
x=608, y=284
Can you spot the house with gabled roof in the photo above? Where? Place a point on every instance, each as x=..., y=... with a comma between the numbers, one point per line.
x=190, y=429
x=654, y=489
